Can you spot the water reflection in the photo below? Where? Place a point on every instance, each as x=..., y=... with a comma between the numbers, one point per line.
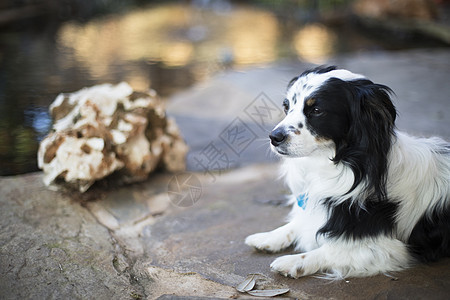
x=253, y=37
x=175, y=34
x=315, y=43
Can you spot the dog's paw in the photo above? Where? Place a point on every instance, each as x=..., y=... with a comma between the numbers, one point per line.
x=269, y=241
x=294, y=266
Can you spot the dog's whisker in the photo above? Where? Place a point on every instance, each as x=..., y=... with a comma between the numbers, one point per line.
x=262, y=145
x=265, y=140
x=270, y=154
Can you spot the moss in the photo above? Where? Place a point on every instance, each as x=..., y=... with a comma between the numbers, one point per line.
x=135, y=295
x=115, y=263
x=53, y=245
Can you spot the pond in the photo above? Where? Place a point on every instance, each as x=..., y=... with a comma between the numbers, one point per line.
x=167, y=47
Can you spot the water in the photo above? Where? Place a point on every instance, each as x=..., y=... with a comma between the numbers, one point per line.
x=167, y=47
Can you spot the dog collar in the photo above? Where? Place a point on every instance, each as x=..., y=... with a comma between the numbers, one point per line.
x=301, y=200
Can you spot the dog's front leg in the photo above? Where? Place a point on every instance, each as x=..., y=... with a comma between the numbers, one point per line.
x=347, y=258
x=275, y=240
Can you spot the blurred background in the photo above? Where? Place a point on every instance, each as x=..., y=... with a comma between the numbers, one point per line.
x=53, y=46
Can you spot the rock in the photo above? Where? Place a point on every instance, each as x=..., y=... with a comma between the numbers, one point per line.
x=108, y=129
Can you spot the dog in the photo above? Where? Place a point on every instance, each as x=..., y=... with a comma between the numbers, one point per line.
x=367, y=199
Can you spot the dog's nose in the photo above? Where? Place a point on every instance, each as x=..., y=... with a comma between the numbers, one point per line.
x=278, y=136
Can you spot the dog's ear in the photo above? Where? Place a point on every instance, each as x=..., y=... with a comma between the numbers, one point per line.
x=367, y=143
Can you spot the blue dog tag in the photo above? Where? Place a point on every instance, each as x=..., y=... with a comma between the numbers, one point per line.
x=301, y=200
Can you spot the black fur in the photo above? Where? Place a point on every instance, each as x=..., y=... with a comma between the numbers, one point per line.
x=353, y=222
x=319, y=70
x=291, y=83
x=430, y=238
x=359, y=117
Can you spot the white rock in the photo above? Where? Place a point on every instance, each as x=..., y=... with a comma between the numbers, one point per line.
x=109, y=129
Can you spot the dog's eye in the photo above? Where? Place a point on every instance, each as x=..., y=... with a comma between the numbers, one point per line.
x=286, y=105
x=316, y=112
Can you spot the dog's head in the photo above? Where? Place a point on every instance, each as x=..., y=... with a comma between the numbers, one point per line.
x=330, y=109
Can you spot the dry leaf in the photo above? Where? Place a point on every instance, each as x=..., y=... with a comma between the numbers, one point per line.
x=247, y=284
x=268, y=293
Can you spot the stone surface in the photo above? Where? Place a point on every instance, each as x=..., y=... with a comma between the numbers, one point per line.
x=105, y=129
x=57, y=247
x=132, y=242
x=52, y=249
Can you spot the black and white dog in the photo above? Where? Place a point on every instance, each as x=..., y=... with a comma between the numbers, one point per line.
x=367, y=199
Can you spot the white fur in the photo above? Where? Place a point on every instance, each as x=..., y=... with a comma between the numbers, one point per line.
x=418, y=177
x=313, y=81
x=343, y=258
